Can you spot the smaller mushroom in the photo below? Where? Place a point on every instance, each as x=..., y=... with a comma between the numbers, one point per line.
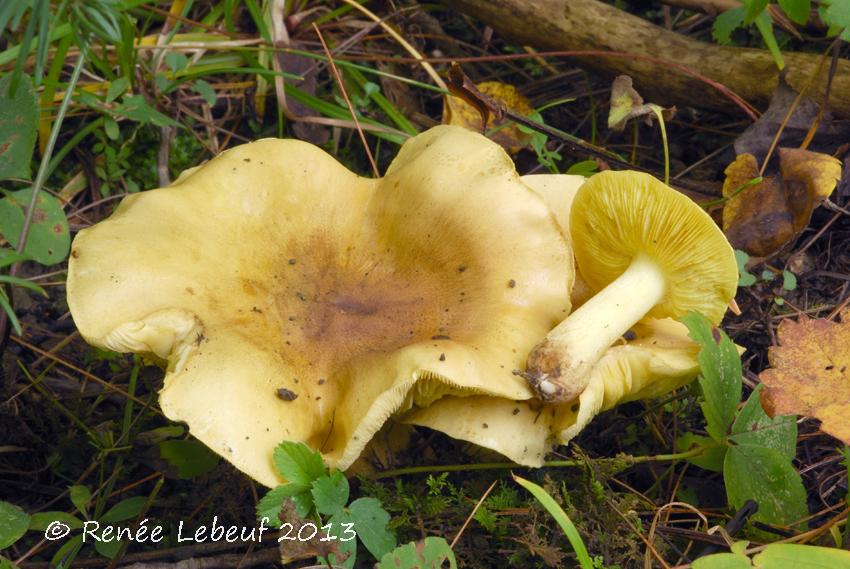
x=648, y=251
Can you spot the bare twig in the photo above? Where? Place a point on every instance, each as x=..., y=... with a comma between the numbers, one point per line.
x=338, y=78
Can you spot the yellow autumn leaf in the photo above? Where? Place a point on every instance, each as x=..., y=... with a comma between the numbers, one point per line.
x=810, y=373
x=458, y=112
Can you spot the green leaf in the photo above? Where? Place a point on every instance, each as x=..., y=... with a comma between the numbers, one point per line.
x=726, y=23
x=80, y=497
x=370, y=521
x=754, y=8
x=723, y=561
x=298, y=463
x=49, y=239
x=67, y=552
x=108, y=549
x=784, y=555
x=797, y=10
x=176, y=61
x=766, y=476
x=711, y=459
x=584, y=168
x=429, y=553
x=721, y=374
x=18, y=127
x=270, y=505
x=561, y=517
x=330, y=493
x=789, y=280
x=110, y=127
x=205, y=90
x=837, y=16
x=753, y=427
x=745, y=278
x=13, y=524
x=117, y=88
x=342, y=526
x=7, y=564
x=41, y=520
x=126, y=509
x=136, y=108
x=765, y=27
x=191, y=458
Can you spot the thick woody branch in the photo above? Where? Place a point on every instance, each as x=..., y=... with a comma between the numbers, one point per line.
x=593, y=25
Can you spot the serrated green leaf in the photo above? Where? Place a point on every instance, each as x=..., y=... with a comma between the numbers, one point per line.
x=370, y=522
x=343, y=528
x=49, y=238
x=753, y=9
x=41, y=520
x=270, y=505
x=766, y=476
x=721, y=374
x=14, y=523
x=711, y=459
x=726, y=23
x=561, y=517
x=429, y=553
x=18, y=127
x=190, y=457
x=206, y=91
x=330, y=493
x=753, y=427
x=80, y=497
x=797, y=10
x=784, y=555
x=298, y=463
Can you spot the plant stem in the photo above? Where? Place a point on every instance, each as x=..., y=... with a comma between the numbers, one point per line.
x=624, y=460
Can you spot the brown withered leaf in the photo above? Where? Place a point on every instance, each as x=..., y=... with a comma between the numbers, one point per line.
x=763, y=217
x=463, y=109
x=626, y=103
x=810, y=373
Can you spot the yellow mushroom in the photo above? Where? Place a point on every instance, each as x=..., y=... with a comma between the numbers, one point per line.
x=291, y=299
x=647, y=251
x=658, y=357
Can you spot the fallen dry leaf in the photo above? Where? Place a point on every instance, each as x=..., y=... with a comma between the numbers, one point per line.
x=459, y=112
x=758, y=137
x=763, y=217
x=810, y=373
x=626, y=103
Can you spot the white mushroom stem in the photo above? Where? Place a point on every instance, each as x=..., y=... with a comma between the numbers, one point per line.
x=559, y=367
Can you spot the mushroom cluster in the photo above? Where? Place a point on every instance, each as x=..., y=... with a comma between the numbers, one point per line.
x=289, y=299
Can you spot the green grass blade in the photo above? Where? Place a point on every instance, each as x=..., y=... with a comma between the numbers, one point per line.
x=561, y=517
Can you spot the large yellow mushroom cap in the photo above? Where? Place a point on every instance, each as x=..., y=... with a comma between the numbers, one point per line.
x=293, y=300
